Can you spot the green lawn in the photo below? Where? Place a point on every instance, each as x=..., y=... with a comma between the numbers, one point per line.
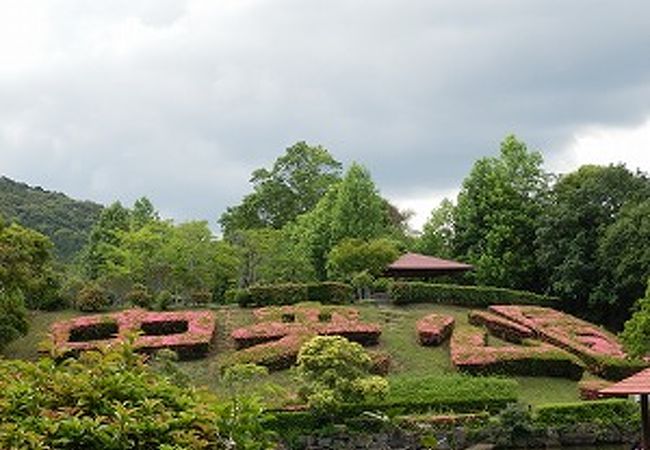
x=398, y=338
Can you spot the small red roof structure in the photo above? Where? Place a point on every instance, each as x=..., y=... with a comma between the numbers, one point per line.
x=422, y=266
x=637, y=384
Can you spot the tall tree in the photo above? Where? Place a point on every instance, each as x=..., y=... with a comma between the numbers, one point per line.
x=26, y=265
x=358, y=212
x=351, y=209
x=495, y=219
x=583, y=205
x=624, y=251
x=105, y=239
x=438, y=232
x=293, y=186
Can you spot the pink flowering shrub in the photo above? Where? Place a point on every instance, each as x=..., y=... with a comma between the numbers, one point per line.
x=275, y=340
x=189, y=333
x=471, y=353
x=589, y=389
x=500, y=326
x=434, y=329
x=599, y=350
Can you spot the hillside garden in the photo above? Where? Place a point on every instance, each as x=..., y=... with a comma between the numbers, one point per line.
x=286, y=324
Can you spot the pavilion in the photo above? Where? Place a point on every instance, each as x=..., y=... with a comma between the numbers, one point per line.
x=637, y=384
x=414, y=265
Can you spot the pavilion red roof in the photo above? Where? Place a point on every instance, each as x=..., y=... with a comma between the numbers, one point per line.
x=637, y=384
x=415, y=263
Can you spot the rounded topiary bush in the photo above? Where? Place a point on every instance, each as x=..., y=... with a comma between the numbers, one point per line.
x=91, y=298
x=140, y=296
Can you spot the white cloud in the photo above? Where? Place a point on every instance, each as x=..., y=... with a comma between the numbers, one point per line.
x=604, y=145
x=422, y=203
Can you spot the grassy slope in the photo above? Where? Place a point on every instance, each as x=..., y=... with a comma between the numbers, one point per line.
x=398, y=339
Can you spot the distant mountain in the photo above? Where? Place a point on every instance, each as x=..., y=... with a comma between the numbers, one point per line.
x=66, y=221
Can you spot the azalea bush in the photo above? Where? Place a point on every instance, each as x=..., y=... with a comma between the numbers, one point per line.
x=110, y=399
x=471, y=354
x=500, y=326
x=434, y=329
x=334, y=371
x=600, y=350
x=189, y=333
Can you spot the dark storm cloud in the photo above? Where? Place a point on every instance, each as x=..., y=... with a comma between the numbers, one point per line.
x=181, y=100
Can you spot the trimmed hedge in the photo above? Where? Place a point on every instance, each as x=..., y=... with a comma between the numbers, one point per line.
x=410, y=395
x=610, y=411
x=470, y=354
x=327, y=292
x=449, y=393
x=405, y=292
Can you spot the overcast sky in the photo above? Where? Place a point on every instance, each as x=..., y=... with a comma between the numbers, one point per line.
x=180, y=100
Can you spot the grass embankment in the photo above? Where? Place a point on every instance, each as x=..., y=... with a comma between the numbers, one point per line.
x=398, y=339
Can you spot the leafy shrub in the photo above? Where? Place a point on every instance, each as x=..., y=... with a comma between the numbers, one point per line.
x=140, y=296
x=201, y=297
x=92, y=298
x=610, y=411
x=164, y=300
x=290, y=293
x=405, y=292
x=334, y=371
x=105, y=400
x=13, y=316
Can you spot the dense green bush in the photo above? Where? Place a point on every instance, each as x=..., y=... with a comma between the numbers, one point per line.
x=609, y=411
x=92, y=297
x=13, y=316
x=290, y=293
x=140, y=296
x=404, y=292
x=333, y=371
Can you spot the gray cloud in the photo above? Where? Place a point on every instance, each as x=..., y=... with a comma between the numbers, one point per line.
x=180, y=100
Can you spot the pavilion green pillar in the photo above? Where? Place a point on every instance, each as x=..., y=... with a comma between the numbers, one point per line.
x=645, y=426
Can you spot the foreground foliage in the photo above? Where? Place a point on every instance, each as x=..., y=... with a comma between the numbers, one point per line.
x=103, y=400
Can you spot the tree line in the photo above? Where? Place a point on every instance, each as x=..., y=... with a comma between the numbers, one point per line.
x=583, y=237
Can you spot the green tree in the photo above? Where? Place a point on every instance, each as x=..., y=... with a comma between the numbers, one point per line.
x=624, y=259
x=437, y=237
x=583, y=205
x=293, y=186
x=26, y=265
x=143, y=213
x=358, y=212
x=100, y=254
x=334, y=371
x=271, y=256
x=352, y=256
x=636, y=333
x=496, y=216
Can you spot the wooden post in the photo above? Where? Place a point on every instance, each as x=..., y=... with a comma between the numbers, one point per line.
x=645, y=426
